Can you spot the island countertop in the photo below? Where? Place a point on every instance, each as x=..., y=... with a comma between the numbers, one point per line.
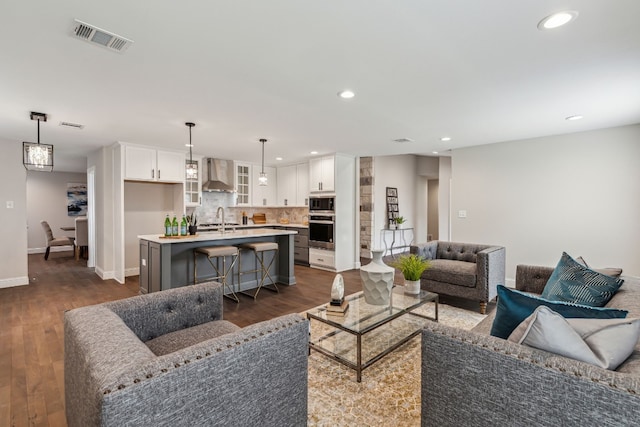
x=208, y=236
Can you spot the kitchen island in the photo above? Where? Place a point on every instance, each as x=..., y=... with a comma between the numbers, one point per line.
x=167, y=263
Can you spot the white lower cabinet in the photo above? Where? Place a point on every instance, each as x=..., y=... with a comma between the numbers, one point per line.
x=322, y=258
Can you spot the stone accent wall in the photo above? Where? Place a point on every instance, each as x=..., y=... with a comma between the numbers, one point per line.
x=366, y=206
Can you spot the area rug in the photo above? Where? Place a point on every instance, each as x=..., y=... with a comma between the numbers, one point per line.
x=389, y=393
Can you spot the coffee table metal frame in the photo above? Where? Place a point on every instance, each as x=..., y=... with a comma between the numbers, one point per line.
x=348, y=324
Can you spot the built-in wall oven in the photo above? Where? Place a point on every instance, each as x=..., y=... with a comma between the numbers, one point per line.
x=322, y=222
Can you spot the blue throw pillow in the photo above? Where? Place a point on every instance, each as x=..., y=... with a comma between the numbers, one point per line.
x=514, y=306
x=575, y=283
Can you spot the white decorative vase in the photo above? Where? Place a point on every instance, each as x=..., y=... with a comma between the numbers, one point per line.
x=411, y=287
x=377, y=280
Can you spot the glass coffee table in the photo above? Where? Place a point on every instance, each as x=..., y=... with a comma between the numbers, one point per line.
x=366, y=333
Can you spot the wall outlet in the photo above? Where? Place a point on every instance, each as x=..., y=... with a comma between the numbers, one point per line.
x=462, y=214
x=9, y=204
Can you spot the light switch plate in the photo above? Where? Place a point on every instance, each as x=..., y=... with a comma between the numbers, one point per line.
x=9, y=204
x=462, y=214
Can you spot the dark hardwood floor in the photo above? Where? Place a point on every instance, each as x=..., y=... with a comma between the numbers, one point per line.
x=31, y=326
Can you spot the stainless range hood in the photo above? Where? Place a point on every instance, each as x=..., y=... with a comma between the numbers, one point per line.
x=219, y=175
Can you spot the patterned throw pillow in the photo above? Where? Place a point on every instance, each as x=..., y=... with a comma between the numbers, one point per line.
x=575, y=283
x=514, y=306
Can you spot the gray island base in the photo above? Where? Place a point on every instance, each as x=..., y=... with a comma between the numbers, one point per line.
x=167, y=263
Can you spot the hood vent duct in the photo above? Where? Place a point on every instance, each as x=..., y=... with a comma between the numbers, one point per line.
x=219, y=176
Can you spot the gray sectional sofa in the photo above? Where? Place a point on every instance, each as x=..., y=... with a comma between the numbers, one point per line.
x=472, y=378
x=467, y=270
x=168, y=358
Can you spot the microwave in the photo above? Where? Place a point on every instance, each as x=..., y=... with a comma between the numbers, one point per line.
x=322, y=204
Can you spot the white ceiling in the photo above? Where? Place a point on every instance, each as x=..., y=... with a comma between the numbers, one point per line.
x=478, y=71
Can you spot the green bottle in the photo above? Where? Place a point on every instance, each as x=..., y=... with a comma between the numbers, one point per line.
x=174, y=227
x=167, y=226
x=183, y=226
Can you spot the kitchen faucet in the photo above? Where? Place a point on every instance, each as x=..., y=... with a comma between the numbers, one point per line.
x=220, y=208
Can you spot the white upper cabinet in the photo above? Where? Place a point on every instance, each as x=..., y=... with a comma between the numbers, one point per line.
x=263, y=195
x=149, y=164
x=302, y=193
x=287, y=185
x=322, y=174
x=293, y=185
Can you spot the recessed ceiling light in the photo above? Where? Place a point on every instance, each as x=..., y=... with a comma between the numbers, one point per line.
x=557, y=19
x=346, y=94
x=188, y=145
x=314, y=152
x=434, y=152
x=278, y=158
x=572, y=118
x=445, y=138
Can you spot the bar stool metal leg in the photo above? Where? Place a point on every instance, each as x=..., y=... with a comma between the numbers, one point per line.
x=259, y=250
x=218, y=252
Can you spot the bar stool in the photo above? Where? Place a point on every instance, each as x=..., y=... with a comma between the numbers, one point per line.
x=259, y=249
x=218, y=252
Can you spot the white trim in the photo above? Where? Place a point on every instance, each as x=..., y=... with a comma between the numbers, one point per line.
x=104, y=275
x=14, y=281
x=53, y=249
x=510, y=283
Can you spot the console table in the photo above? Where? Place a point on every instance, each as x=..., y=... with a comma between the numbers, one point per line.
x=398, y=239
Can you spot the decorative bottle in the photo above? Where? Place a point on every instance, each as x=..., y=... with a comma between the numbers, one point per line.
x=167, y=226
x=174, y=227
x=183, y=226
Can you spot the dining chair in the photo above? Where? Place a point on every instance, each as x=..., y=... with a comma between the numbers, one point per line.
x=82, y=237
x=55, y=241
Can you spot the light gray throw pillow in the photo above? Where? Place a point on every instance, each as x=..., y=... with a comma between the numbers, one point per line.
x=602, y=342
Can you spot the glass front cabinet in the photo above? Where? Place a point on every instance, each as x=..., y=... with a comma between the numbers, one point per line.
x=193, y=182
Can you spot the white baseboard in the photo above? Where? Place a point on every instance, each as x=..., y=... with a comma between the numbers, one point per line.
x=510, y=283
x=53, y=249
x=105, y=275
x=132, y=272
x=14, y=281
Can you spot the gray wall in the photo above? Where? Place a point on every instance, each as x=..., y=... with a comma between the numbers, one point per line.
x=578, y=193
x=13, y=184
x=47, y=200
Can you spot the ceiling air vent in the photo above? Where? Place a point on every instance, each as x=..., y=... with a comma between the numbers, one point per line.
x=92, y=34
x=72, y=125
x=402, y=140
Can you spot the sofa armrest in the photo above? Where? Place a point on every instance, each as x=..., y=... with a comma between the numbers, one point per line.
x=474, y=379
x=532, y=278
x=152, y=315
x=491, y=269
x=426, y=250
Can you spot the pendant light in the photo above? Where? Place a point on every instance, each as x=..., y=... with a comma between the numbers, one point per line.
x=37, y=157
x=262, y=179
x=192, y=167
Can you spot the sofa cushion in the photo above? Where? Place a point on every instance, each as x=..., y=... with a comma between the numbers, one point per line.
x=184, y=338
x=514, y=306
x=601, y=342
x=459, y=273
x=575, y=283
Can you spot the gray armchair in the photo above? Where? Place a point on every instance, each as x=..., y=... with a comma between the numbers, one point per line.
x=168, y=358
x=467, y=270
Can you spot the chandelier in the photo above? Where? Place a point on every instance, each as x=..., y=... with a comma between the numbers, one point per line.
x=36, y=156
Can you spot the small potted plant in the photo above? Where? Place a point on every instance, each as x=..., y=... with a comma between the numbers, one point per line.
x=399, y=221
x=192, y=220
x=412, y=266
